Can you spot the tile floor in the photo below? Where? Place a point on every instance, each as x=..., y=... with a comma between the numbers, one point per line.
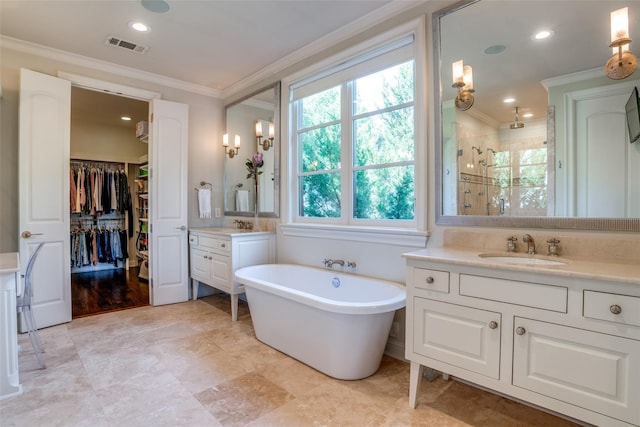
x=189, y=365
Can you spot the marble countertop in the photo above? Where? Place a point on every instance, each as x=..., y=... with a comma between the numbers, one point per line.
x=226, y=231
x=9, y=262
x=585, y=268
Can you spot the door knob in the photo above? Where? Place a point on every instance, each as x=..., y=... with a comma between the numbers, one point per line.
x=27, y=234
x=182, y=227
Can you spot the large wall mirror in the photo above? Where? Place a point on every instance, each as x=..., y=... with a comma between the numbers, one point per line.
x=556, y=156
x=243, y=118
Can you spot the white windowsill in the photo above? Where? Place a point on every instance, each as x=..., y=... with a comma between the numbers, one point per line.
x=388, y=236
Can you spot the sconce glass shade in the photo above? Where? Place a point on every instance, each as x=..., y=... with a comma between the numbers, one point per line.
x=467, y=77
x=457, y=69
x=623, y=63
x=620, y=25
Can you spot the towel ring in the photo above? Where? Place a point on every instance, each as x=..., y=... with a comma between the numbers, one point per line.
x=204, y=184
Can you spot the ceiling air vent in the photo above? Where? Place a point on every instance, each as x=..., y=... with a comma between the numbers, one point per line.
x=123, y=44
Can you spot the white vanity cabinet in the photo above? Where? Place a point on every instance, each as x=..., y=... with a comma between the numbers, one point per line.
x=215, y=254
x=571, y=345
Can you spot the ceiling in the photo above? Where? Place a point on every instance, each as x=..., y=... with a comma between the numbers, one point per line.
x=580, y=42
x=217, y=44
x=211, y=43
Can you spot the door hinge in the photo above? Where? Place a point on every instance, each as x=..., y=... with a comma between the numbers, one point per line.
x=151, y=118
x=150, y=228
x=151, y=282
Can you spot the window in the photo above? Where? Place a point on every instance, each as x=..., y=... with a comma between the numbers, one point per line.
x=354, y=141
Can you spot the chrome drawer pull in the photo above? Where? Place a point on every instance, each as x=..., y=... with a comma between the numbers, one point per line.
x=615, y=309
x=493, y=324
x=520, y=330
x=430, y=280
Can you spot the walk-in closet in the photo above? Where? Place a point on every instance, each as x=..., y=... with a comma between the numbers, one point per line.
x=108, y=203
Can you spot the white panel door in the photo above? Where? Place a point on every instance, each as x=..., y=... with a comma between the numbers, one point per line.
x=168, y=256
x=608, y=164
x=45, y=111
x=458, y=335
x=594, y=371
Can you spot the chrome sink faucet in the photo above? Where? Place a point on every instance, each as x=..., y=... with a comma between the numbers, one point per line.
x=531, y=245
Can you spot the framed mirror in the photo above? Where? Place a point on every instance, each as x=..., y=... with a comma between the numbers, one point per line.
x=258, y=113
x=545, y=160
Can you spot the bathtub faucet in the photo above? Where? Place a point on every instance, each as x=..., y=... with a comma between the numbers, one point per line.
x=329, y=262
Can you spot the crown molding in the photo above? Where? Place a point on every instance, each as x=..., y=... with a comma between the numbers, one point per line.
x=120, y=70
x=573, y=77
x=354, y=28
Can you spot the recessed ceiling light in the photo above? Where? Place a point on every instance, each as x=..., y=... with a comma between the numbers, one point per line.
x=508, y=100
x=527, y=115
x=126, y=118
x=544, y=34
x=139, y=26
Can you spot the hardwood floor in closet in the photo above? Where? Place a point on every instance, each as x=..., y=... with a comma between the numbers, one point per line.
x=109, y=290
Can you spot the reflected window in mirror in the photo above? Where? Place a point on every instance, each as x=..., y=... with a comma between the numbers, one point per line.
x=254, y=119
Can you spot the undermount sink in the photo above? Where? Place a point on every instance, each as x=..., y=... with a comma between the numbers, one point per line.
x=523, y=259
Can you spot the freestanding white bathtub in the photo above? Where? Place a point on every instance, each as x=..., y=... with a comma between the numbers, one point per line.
x=334, y=322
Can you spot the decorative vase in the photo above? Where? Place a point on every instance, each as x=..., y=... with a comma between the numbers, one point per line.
x=256, y=220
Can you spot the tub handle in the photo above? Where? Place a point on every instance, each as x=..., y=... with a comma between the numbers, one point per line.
x=430, y=280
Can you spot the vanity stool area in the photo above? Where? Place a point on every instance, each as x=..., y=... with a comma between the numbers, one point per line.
x=563, y=337
x=216, y=253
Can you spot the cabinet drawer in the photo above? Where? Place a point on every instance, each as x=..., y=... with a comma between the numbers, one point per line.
x=612, y=307
x=224, y=245
x=193, y=240
x=431, y=280
x=461, y=336
x=513, y=292
x=208, y=242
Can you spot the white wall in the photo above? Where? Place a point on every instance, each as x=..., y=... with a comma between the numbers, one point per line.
x=205, y=127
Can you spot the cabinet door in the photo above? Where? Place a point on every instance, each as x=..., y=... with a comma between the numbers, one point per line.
x=594, y=371
x=220, y=274
x=462, y=336
x=201, y=265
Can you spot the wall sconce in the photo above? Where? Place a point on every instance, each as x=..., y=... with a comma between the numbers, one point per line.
x=463, y=80
x=231, y=152
x=623, y=63
x=266, y=142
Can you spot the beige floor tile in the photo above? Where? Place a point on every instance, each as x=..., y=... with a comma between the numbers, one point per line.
x=189, y=365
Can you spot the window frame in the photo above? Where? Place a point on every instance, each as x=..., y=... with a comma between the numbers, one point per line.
x=411, y=235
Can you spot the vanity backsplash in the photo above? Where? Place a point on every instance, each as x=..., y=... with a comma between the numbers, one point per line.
x=620, y=250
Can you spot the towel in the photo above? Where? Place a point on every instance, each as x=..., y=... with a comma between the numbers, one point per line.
x=242, y=200
x=204, y=202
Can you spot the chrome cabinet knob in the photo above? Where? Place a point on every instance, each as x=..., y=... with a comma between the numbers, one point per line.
x=615, y=309
x=520, y=330
x=430, y=280
x=224, y=245
x=493, y=324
